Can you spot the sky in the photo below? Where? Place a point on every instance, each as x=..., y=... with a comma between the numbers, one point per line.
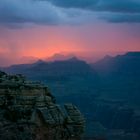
x=89, y=29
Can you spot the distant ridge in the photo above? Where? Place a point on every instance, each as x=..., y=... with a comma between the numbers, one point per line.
x=59, y=57
x=127, y=65
x=74, y=58
x=41, y=68
x=38, y=62
x=133, y=54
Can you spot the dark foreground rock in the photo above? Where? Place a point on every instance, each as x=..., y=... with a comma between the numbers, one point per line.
x=28, y=112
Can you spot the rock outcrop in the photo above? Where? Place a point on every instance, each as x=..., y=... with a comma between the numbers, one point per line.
x=28, y=112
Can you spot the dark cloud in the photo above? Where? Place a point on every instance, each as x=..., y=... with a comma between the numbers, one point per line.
x=120, y=6
x=118, y=10
x=128, y=6
x=22, y=11
x=86, y=4
x=15, y=13
x=122, y=18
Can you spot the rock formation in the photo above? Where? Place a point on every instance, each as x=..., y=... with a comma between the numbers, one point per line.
x=28, y=112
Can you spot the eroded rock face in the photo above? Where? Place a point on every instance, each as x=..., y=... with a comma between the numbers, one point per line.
x=28, y=112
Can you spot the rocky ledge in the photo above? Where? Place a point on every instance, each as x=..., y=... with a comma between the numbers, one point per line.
x=28, y=112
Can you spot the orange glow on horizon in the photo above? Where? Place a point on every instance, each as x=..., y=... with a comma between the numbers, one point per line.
x=90, y=42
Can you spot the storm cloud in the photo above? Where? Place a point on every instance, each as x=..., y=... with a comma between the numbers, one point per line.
x=109, y=10
x=16, y=13
x=22, y=11
x=124, y=6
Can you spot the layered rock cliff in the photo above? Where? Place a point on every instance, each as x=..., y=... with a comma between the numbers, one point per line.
x=28, y=112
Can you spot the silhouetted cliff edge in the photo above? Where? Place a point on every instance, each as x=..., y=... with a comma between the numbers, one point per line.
x=28, y=112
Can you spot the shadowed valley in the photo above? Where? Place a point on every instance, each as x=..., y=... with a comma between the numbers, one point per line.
x=107, y=92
